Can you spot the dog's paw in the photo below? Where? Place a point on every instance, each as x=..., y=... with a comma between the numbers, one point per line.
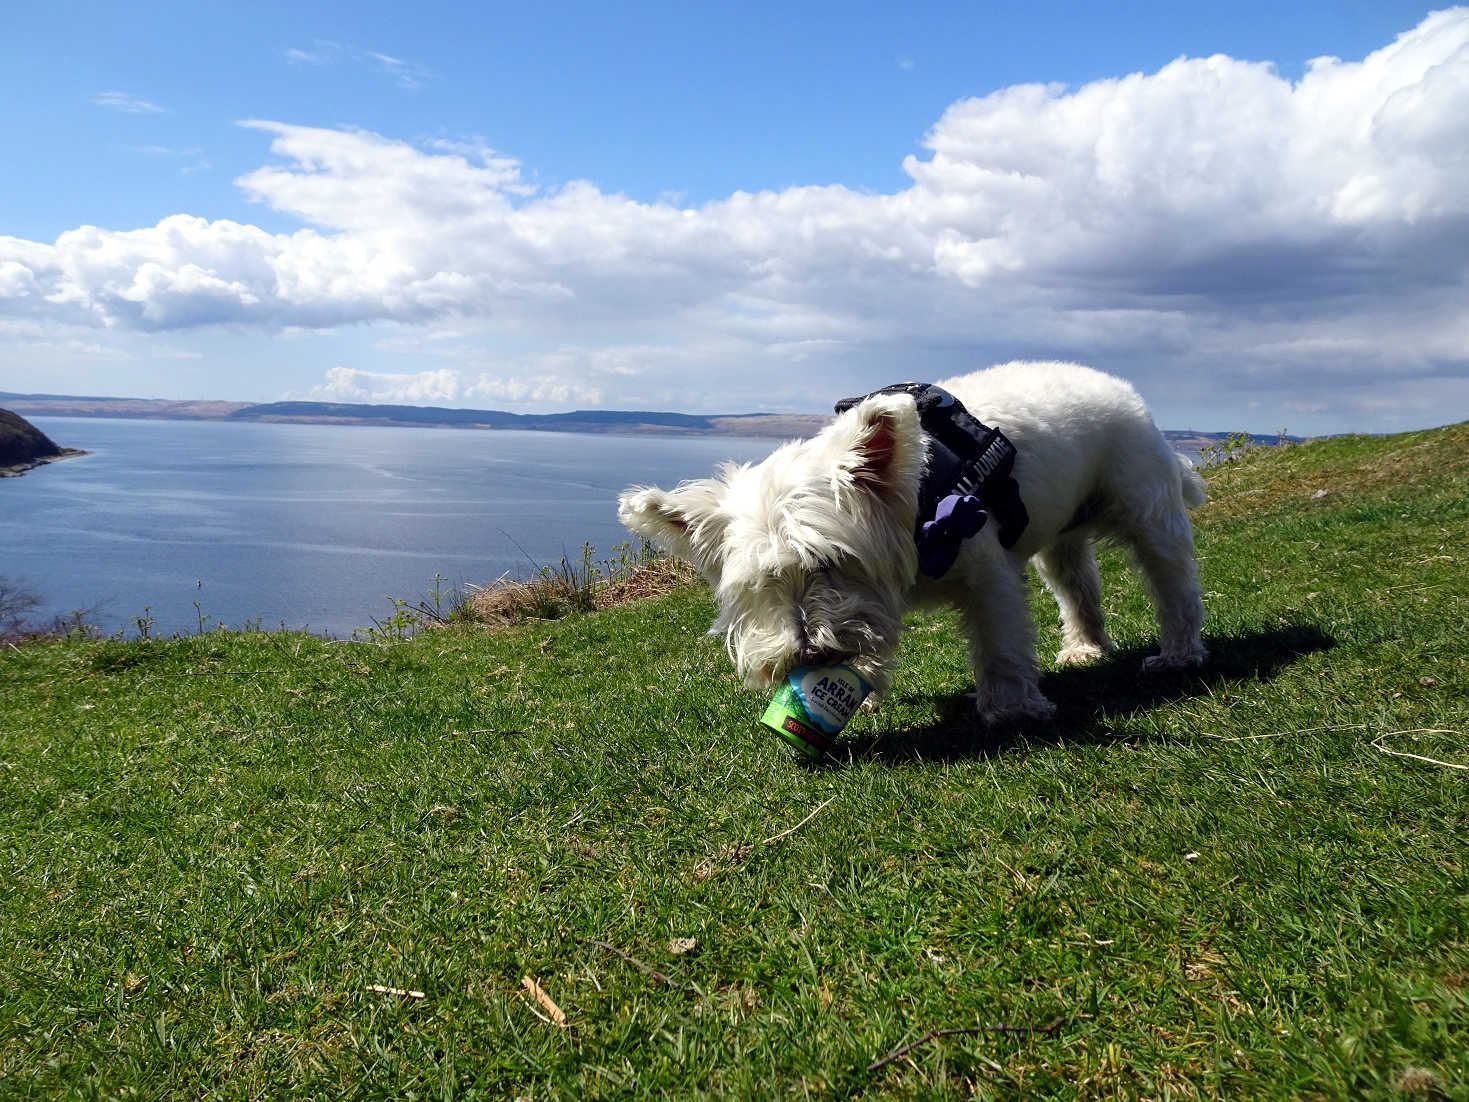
x=1012, y=702
x=1192, y=658
x=1079, y=653
x=1038, y=711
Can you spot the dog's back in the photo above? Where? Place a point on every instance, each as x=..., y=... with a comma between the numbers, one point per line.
x=1081, y=436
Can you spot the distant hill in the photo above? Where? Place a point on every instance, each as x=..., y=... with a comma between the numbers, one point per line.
x=23, y=446
x=71, y=405
x=779, y=426
x=776, y=425
x=579, y=421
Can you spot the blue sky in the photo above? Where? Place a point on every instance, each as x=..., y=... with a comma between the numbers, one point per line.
x=739, y=207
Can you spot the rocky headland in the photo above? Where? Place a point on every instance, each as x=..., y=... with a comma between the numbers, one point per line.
x=23, y=446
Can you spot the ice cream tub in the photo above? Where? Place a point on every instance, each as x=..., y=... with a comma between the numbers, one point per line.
x=813, y=704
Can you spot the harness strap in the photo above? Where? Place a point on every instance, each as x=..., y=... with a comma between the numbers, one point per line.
x=967, y=478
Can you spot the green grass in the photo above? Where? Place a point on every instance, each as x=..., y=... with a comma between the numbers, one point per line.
x=1219, y=884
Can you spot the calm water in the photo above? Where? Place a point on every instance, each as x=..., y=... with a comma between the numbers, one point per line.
x=313, y=526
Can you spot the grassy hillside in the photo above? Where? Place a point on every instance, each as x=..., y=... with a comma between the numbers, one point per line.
x=243, y=865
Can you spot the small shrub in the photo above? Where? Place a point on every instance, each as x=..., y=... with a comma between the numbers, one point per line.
x=568, y=588
x=16, y=626
x=1231, y=447
x=577, y=586
x=16, y=607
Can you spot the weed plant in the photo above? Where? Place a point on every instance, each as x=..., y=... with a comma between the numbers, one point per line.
x=17, y=606
x=586, y=584
x=560, y=860
x=568, y=588
x=17, y=617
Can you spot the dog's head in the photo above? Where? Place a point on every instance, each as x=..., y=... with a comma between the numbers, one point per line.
x=810, y=553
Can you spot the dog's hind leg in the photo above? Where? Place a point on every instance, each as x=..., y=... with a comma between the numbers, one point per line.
x=1069, y=569
x=1162, y=539
x=995, y=614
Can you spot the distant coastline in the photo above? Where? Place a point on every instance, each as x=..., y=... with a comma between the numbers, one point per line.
x=15, y=470
x=625, y=422
x=779, y=426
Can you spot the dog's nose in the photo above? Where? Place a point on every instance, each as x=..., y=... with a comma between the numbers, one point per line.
x=815, y=656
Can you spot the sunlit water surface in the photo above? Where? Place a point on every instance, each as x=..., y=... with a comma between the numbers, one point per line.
x=314, y=526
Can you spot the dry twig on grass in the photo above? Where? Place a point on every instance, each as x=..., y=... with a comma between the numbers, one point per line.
x=646, y=969
x=1284, y=734
x=399, y=992
x=1377, y=744
x=798, y=826
x=557, y=1015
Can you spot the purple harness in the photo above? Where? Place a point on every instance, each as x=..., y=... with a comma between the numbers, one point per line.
x=967, y=478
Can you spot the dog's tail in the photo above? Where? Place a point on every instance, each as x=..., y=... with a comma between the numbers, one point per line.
x=1195, y=489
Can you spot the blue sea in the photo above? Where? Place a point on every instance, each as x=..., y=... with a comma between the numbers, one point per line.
x=312, y=526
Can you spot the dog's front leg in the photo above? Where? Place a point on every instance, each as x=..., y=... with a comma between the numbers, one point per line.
x=995, y=613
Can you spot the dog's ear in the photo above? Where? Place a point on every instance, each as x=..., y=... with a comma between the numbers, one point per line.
x=882, y=446
x=684, y=521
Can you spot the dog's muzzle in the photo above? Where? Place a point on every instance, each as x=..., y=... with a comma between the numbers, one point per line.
x=816, y=656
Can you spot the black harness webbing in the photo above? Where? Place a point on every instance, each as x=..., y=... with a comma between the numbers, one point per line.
x=968, y=476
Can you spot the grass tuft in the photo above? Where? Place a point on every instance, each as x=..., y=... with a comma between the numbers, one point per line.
x=572, y=587
x=569, y=588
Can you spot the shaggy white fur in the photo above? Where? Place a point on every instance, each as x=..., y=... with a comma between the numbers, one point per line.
x=811, y=554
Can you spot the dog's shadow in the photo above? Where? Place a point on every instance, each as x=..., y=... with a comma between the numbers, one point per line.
x=1088, y=699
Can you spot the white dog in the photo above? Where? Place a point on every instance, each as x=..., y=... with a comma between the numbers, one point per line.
x=813, y=557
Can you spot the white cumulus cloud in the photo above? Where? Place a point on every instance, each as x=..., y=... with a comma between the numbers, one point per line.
x=541, y=387
x=348, y=384
x=1211, y=218
x=537, y=390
